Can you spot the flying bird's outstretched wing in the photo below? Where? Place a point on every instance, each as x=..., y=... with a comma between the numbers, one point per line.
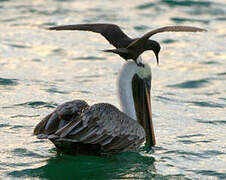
x=173, y=29
x=145, y=37
x=111, y=32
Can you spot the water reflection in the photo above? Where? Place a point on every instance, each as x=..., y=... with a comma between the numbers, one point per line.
x=124, y=165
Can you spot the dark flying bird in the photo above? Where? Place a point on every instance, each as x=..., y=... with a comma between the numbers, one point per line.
x=79, y=129
x=127, y=47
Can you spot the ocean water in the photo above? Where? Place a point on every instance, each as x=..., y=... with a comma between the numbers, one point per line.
x=40, y=69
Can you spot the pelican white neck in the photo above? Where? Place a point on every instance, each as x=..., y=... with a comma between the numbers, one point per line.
x=125, y=91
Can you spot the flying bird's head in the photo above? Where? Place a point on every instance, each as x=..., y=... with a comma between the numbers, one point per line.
x=154, y=46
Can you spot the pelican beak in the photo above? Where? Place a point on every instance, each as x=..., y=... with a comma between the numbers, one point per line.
x=142, y=102
x=149, y=128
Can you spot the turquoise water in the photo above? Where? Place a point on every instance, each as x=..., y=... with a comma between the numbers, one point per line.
x=40, y=69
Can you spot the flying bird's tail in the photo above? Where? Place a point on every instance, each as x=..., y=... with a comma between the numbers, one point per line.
x=117, y=51
x=123, y=52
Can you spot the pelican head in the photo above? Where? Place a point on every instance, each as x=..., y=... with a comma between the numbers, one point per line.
x=134, y=90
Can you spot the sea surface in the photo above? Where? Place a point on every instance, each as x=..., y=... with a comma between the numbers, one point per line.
x=40, y=69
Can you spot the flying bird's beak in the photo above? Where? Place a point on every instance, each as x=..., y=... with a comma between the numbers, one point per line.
x=157, y=57
x=142, y=102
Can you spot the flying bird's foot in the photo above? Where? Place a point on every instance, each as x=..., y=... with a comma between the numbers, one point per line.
x=140, y=64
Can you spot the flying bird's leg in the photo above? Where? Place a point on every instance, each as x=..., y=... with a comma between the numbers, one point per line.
x=139, y=61
x=139, y=64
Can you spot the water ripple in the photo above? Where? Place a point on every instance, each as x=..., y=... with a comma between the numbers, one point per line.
x=190, y=154
x=146, y=5
x=17, y=127
x=24, y=152
x=18, y=45
x=141, y=27
x=59, y=51
x=213, y=152
x=214, y=122
x=224, y=99
x=221, y=19
x=13, y=165
x=193, y=142
x=8, y=82
x=210, y=62
x=4, y=125
x=192, y=135
x=191, y=84
x=23, y=116
x=34, y=104
x=188, y=3
x=14, y=19
x=55, y=11
x=210, y=173
x=183, y=20
x=207, y=104
x=54, y=90
x=222, y=74
x=169, y=41
x=210, y=11
x=164, y=99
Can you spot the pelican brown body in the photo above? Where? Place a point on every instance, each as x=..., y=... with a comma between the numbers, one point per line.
x=79, y=129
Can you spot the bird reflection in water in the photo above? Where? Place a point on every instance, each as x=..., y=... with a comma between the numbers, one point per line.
x=120, y=166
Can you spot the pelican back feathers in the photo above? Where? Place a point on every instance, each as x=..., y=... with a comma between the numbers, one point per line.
x=79, y=129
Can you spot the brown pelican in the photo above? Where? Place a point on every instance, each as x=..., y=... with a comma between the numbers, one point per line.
x=77, y=128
